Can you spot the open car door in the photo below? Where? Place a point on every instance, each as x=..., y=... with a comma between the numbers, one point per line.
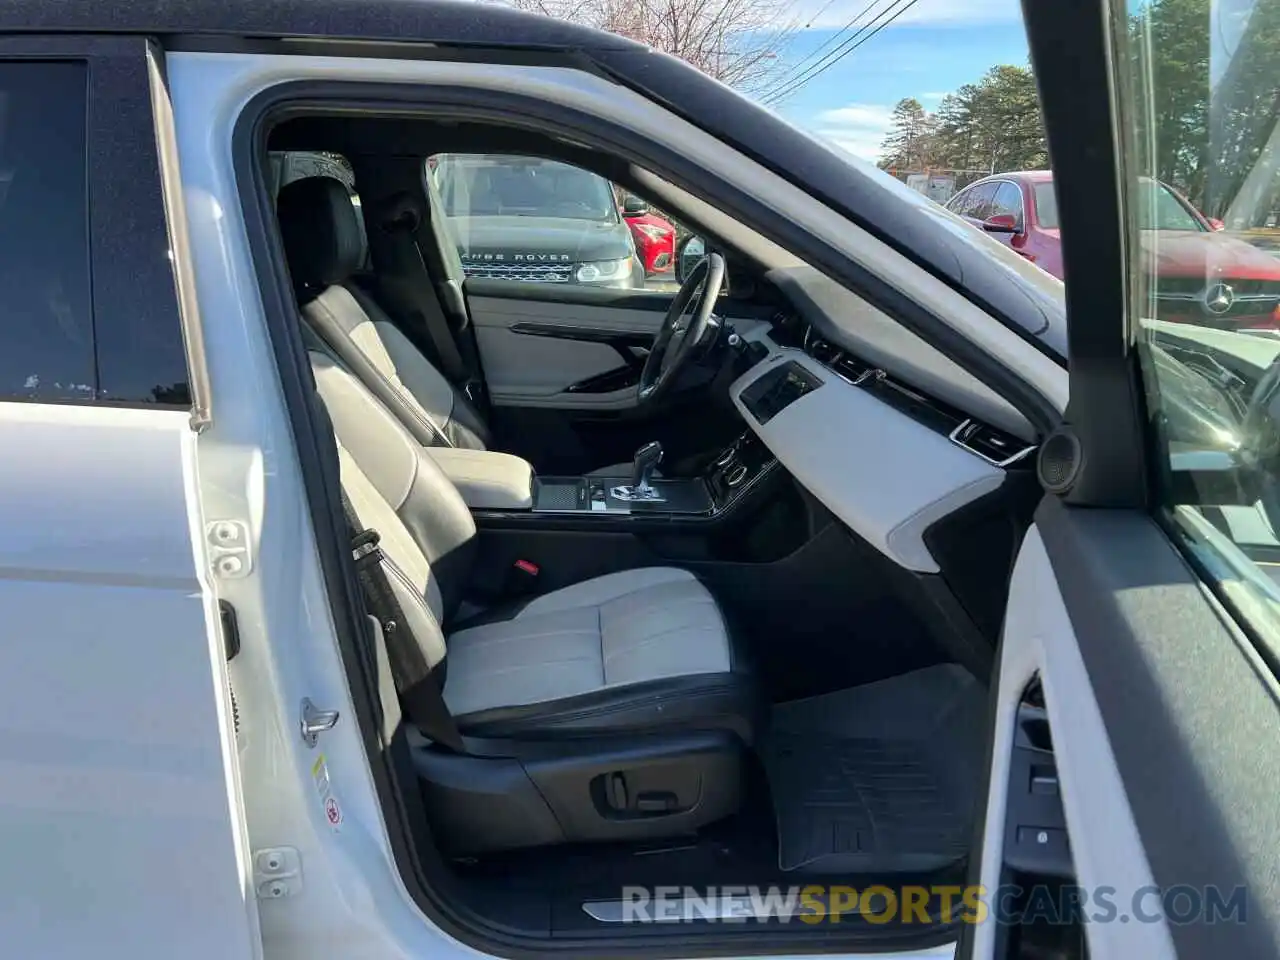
x=1135, y=752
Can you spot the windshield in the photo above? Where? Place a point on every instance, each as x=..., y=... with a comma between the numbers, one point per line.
x=473, y=185
x=1046, y=205
x=1159, y=209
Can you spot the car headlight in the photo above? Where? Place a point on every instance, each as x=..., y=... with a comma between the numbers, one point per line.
x=599, y=271
x=652, y=232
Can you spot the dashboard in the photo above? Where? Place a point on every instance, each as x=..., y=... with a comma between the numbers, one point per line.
x=839, y=328
x=882, y=451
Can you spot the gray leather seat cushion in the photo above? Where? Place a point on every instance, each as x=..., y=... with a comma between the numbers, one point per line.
x=618, y=630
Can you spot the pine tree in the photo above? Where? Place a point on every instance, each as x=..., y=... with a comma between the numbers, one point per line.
x=907, y=145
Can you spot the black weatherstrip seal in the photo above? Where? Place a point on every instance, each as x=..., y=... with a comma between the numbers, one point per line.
x=1191, y=713
x=406, y=829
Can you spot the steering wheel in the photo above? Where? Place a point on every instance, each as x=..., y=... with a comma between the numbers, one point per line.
x=683, y=328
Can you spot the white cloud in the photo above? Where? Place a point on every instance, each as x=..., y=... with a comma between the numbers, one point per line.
x=859, y=128
x=941, y=12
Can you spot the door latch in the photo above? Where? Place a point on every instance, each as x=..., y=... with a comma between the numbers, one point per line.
x=315, y=721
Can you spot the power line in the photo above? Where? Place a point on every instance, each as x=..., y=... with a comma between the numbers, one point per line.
x=821, y=10
x=837, y=55
x=800, y=67
x=845, y=48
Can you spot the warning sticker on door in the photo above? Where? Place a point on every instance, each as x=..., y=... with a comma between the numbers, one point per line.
x=332, y=812
x=324, y=788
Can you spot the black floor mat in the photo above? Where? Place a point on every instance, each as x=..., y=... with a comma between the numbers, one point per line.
x=879, y=778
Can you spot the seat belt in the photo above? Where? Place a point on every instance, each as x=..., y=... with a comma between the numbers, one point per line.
x=416, y=684
x=416, y=293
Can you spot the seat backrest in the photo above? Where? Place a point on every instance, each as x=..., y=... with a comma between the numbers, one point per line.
x=409, y=574
x=324, y=247
x=427, y=530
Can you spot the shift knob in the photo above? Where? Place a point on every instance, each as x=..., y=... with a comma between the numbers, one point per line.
x=646, y=461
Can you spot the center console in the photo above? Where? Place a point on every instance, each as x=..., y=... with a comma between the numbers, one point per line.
x=734, y=471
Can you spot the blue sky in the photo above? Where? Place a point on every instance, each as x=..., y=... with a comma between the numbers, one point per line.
x=933, y=48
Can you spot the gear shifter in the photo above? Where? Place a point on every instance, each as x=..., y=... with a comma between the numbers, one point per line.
x=645, y=463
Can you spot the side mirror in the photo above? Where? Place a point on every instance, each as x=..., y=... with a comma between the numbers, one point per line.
x=689, y=253
x=1215, y=224
x=634, y=207
x=1001, y=223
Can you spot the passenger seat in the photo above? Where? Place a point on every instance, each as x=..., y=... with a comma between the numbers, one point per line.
x=613, y=709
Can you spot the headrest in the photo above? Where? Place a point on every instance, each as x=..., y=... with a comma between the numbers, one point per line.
x=323, y=239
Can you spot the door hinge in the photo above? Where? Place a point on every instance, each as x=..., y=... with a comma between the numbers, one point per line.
x=315, y=721
x=277, y=873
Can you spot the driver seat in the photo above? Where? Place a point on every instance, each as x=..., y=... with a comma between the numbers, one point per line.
x=325, y=246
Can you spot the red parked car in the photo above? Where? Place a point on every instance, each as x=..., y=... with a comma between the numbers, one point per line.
x=655, y=238
x=1203, y=276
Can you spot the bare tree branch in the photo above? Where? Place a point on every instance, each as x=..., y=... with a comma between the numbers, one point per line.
x=739, y=42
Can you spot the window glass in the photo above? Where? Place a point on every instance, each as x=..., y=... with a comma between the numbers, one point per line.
x=1160, y=209
x=1008, y=200
x=537, y=220
x=1046, y=202
x=980, y=205
x=1207, y=291
x=959, y=204
x=46, y=313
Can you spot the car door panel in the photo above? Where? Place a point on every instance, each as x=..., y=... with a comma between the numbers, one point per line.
x=1163, y=729
x=1039, y=641
x=545, y=351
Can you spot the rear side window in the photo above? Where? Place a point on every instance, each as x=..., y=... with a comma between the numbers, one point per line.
x=1046, y=205
x=46, y=310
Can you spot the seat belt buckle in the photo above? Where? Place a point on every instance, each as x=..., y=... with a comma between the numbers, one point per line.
x=522, y=579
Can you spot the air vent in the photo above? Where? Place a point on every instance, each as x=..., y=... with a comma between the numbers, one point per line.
x=850, y=368
x=990, y=444
x=824, y=352
x=986, y=442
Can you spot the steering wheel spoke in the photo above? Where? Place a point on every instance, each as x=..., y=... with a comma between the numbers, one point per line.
x=683, y=328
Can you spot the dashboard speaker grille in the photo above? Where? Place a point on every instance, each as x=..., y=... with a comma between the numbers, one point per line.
x=1058, y=464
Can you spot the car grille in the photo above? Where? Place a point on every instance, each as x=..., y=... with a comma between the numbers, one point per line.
x=1182, y=298
x=533, y=272
x=1194, y=287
